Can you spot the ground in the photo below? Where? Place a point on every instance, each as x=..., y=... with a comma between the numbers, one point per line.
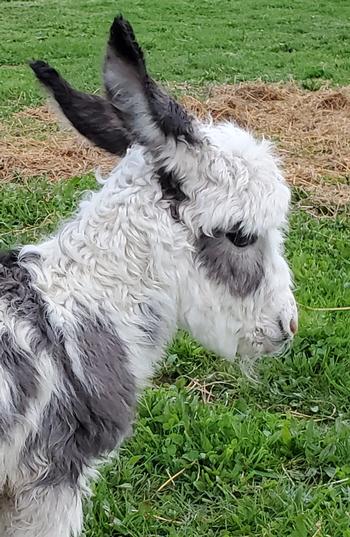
x=214, y=454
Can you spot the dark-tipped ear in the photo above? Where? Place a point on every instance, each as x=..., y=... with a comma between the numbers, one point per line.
x=92, y=116
x=146, y=110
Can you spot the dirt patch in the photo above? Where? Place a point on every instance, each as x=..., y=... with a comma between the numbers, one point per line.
x=312, y=131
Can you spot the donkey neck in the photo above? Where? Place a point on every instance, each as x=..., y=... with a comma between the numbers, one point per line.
x=119, y=254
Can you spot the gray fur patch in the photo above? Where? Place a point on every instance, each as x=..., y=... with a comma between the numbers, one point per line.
x=21, y=301
x=89, y=419
x=171, y=191
x=150, y=322
x=240, y=269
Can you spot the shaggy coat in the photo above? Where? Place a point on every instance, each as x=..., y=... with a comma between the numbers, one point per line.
x=185, y=232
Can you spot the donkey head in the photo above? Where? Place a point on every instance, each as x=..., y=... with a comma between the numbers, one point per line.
x=224, y=190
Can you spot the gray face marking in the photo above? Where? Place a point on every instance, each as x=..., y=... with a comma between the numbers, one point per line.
x=88, y=419
x=240, y=269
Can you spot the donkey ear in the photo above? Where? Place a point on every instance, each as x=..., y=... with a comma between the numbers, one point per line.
x=92, y=116
x=146, y=110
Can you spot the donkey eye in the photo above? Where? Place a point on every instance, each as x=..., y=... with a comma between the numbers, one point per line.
x=239, y=239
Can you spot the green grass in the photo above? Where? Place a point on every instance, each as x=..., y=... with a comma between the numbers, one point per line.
x=262, y=459
x=198, y=41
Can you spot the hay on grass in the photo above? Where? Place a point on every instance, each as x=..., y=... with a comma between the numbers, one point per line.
x=34, y=145
x=312, y=131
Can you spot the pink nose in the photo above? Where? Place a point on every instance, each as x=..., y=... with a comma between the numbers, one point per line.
x=293, y=326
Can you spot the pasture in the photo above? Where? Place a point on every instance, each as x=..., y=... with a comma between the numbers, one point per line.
x=213, y=453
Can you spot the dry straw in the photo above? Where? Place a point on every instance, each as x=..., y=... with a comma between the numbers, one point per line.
x=312, y=130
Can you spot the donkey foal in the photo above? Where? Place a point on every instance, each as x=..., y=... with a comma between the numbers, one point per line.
x=185, y=232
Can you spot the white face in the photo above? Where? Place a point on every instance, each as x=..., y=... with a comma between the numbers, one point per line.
x=238, y=297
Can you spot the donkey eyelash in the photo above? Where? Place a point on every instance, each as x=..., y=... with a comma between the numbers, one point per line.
x=239, y=239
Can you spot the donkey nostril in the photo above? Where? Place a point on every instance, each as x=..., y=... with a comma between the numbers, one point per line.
x=293, y=326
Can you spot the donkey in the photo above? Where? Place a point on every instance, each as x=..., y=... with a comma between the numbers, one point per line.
x=187, y=231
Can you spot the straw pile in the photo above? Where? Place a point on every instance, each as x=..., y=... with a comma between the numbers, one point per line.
x=34, y=145
x=312, y=131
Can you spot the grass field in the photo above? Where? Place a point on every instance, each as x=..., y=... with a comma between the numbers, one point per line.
x=263, y=459
x=197, y=41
